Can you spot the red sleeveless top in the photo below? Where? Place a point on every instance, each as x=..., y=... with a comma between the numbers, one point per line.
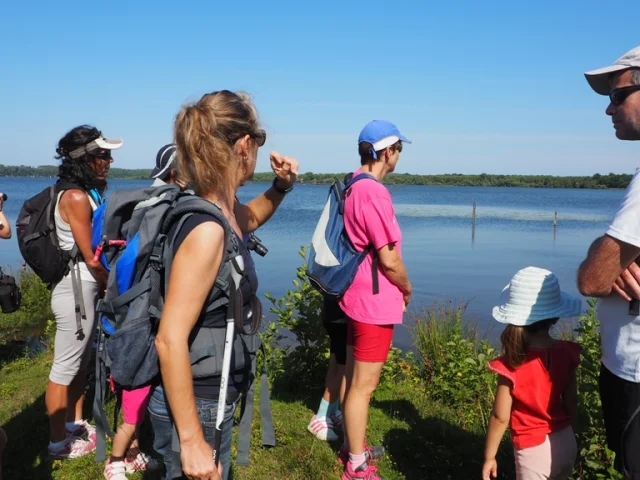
x=537, y=387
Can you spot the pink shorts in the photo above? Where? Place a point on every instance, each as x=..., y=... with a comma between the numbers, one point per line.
x=134, y=403
x=370, y=342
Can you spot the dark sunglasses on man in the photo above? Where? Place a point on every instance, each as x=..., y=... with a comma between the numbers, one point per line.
x=619, y=95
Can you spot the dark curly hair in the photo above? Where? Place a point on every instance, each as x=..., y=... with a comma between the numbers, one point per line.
x=78, y=170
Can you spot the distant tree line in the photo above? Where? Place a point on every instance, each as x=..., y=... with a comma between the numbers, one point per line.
x=52, y=171
x=612, y=180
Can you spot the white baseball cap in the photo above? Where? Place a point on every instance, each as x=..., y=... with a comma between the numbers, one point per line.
x=599, y=79
x=533, y=295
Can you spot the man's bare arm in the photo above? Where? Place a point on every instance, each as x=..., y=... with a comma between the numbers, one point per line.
x=606, y=260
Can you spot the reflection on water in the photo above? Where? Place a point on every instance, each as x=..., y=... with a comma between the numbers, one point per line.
x=512, y=228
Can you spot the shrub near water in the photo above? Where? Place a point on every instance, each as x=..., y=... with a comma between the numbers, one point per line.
x=453, y=364
x=34, y=315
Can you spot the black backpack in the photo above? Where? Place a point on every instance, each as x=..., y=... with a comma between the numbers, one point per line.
x=37, y=237
x=10, y=297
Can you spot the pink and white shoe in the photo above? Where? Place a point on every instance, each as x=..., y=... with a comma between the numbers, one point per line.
x=73, y=447
x=365, y=471
x=140, y=463
x=337, y=420
x=115, y=470
x=322, y=429
x=84, y=430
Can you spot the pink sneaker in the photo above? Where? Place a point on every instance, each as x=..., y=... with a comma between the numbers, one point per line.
x=74, y=447
x=140, y=463
x=336, y=419
x=322, y=428
x=115, y=470
x=370, y=453
x=363, y=472
x=85, y=430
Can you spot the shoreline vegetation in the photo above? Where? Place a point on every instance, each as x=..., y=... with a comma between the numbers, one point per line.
x=430, y=411
x=596, y=181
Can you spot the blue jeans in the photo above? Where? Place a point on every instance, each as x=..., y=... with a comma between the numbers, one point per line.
x=162, y=423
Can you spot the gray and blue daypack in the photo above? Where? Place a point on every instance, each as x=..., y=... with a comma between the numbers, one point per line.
x=133, y=238
x=333, y=260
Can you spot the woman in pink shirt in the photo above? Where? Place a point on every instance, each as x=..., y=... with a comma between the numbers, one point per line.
x=380, y=292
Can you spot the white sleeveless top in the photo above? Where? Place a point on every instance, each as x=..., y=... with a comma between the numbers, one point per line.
x=65, y=237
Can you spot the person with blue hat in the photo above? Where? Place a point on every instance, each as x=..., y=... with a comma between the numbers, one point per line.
x=377, y=299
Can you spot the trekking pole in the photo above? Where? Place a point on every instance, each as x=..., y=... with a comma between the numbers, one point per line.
x=236, y=273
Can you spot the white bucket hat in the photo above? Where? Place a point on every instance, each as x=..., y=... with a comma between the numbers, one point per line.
x=533, y=295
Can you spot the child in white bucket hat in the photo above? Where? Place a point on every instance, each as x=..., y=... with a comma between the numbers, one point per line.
x=537, y=388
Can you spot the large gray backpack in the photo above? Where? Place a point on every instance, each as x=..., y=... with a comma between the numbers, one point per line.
x=133, y=236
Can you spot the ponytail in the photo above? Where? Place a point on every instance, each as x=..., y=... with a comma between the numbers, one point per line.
x=514, y=345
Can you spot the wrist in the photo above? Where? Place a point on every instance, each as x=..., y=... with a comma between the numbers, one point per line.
x=191, y=438
x=281, y=187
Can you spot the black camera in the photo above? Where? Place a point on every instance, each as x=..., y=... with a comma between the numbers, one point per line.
x=254, y=243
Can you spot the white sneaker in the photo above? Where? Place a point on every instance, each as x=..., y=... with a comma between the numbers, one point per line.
x=140, y=463
x=115, y=470
x=73, y=447
x=323, y=429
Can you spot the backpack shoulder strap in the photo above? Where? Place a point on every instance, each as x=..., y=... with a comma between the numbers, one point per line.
x=357, y=178
x=184, y=208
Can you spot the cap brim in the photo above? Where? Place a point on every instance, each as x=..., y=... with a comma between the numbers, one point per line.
x=599, y=79
x=404, y=139
x=109, y=143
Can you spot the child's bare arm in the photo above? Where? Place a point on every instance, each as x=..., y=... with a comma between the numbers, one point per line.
x=570, y=398
x=498, y=423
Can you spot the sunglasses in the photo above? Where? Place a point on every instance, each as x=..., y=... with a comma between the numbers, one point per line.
x=619, y=95
x=103, y=155
x=260, y=137
x=398, y=147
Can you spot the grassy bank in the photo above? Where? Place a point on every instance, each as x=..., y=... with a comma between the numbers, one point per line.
x=430, y=410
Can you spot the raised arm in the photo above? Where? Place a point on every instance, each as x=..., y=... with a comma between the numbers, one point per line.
x=256, y=213
x=193, y=273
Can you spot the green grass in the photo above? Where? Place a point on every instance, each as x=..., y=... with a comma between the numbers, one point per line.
x=420, y=436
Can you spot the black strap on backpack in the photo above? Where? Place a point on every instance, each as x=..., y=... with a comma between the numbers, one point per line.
x=374, y=261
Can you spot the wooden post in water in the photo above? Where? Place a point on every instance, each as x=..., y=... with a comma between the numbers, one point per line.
x=555, y=219
x=473, y=223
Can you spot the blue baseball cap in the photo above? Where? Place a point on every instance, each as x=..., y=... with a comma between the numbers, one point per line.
x=381, y=134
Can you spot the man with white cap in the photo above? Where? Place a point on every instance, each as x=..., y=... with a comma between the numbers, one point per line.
x=610, y=272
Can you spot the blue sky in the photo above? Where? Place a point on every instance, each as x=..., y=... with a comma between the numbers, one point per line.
x=492, y=87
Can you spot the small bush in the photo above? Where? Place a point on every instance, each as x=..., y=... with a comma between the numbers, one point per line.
x=297, y=344
x=453, y=363
x=35, y=313
x=595, y=460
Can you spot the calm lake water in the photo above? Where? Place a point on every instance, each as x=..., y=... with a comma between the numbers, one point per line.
x=445, y=257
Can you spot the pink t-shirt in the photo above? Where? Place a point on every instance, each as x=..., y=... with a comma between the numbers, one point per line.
x=369, y=218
